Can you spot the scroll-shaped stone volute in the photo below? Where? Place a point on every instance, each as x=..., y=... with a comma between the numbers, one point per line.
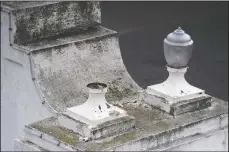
x=178, y=49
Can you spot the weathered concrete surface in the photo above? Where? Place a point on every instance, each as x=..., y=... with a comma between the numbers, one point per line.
x=146, y=66
x=153, y=130
x=16, y=104
x=113, y=126
x=25, y=4
x=206, y=142
x=38, y=20
x=62, y=139
x=20, y=102
x=217, y=141
x=63, y=67
x=183, y=106
x=20, y=145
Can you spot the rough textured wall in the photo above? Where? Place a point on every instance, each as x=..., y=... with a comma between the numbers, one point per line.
x=34, y=23
x=64, y=71
x=213, y=142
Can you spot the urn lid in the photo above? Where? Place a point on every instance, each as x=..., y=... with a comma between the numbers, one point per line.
x=178, y=37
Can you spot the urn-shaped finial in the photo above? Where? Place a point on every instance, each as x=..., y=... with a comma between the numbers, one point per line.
x=178, y=48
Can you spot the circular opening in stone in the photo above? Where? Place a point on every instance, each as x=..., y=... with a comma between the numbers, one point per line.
x=97, y=85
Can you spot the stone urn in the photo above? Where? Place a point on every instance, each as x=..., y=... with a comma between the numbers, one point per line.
x=178, y=49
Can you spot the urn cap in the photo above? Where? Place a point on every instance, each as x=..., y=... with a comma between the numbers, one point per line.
x=178, y=37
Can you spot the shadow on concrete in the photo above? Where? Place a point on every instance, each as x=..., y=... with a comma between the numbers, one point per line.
x=142, y=27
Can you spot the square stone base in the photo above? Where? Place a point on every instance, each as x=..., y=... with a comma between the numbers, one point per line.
x=183, y=106
x=175, y=94
x=112, y=126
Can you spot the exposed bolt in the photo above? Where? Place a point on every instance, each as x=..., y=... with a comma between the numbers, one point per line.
x=43, y=102
x=10, y=29
x=41, y=135
x=33, y=79
x=11, y=44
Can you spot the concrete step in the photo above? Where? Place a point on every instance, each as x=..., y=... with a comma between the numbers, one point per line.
x=64, y=66
x=38, y=20
x=155, y=131
x=22, y=145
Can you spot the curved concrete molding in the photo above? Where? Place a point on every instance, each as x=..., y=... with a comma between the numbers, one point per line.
x=64, y=67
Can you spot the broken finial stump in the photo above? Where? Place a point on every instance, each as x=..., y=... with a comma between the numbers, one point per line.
x=96, y=118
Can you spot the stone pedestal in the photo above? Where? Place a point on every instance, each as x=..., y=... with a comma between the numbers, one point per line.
x=176, y=95
x=175, y=88
x=111, y=126
x=96, y=118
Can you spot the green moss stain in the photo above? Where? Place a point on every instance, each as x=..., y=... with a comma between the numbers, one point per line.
x=86, y=9
x=52, y=20
x=32, y=18
x=62, y=8
x=116, y=92
x=21, y=31
x=116, y=140
x=83, y=6
x=60, y=133
x=119, y=139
